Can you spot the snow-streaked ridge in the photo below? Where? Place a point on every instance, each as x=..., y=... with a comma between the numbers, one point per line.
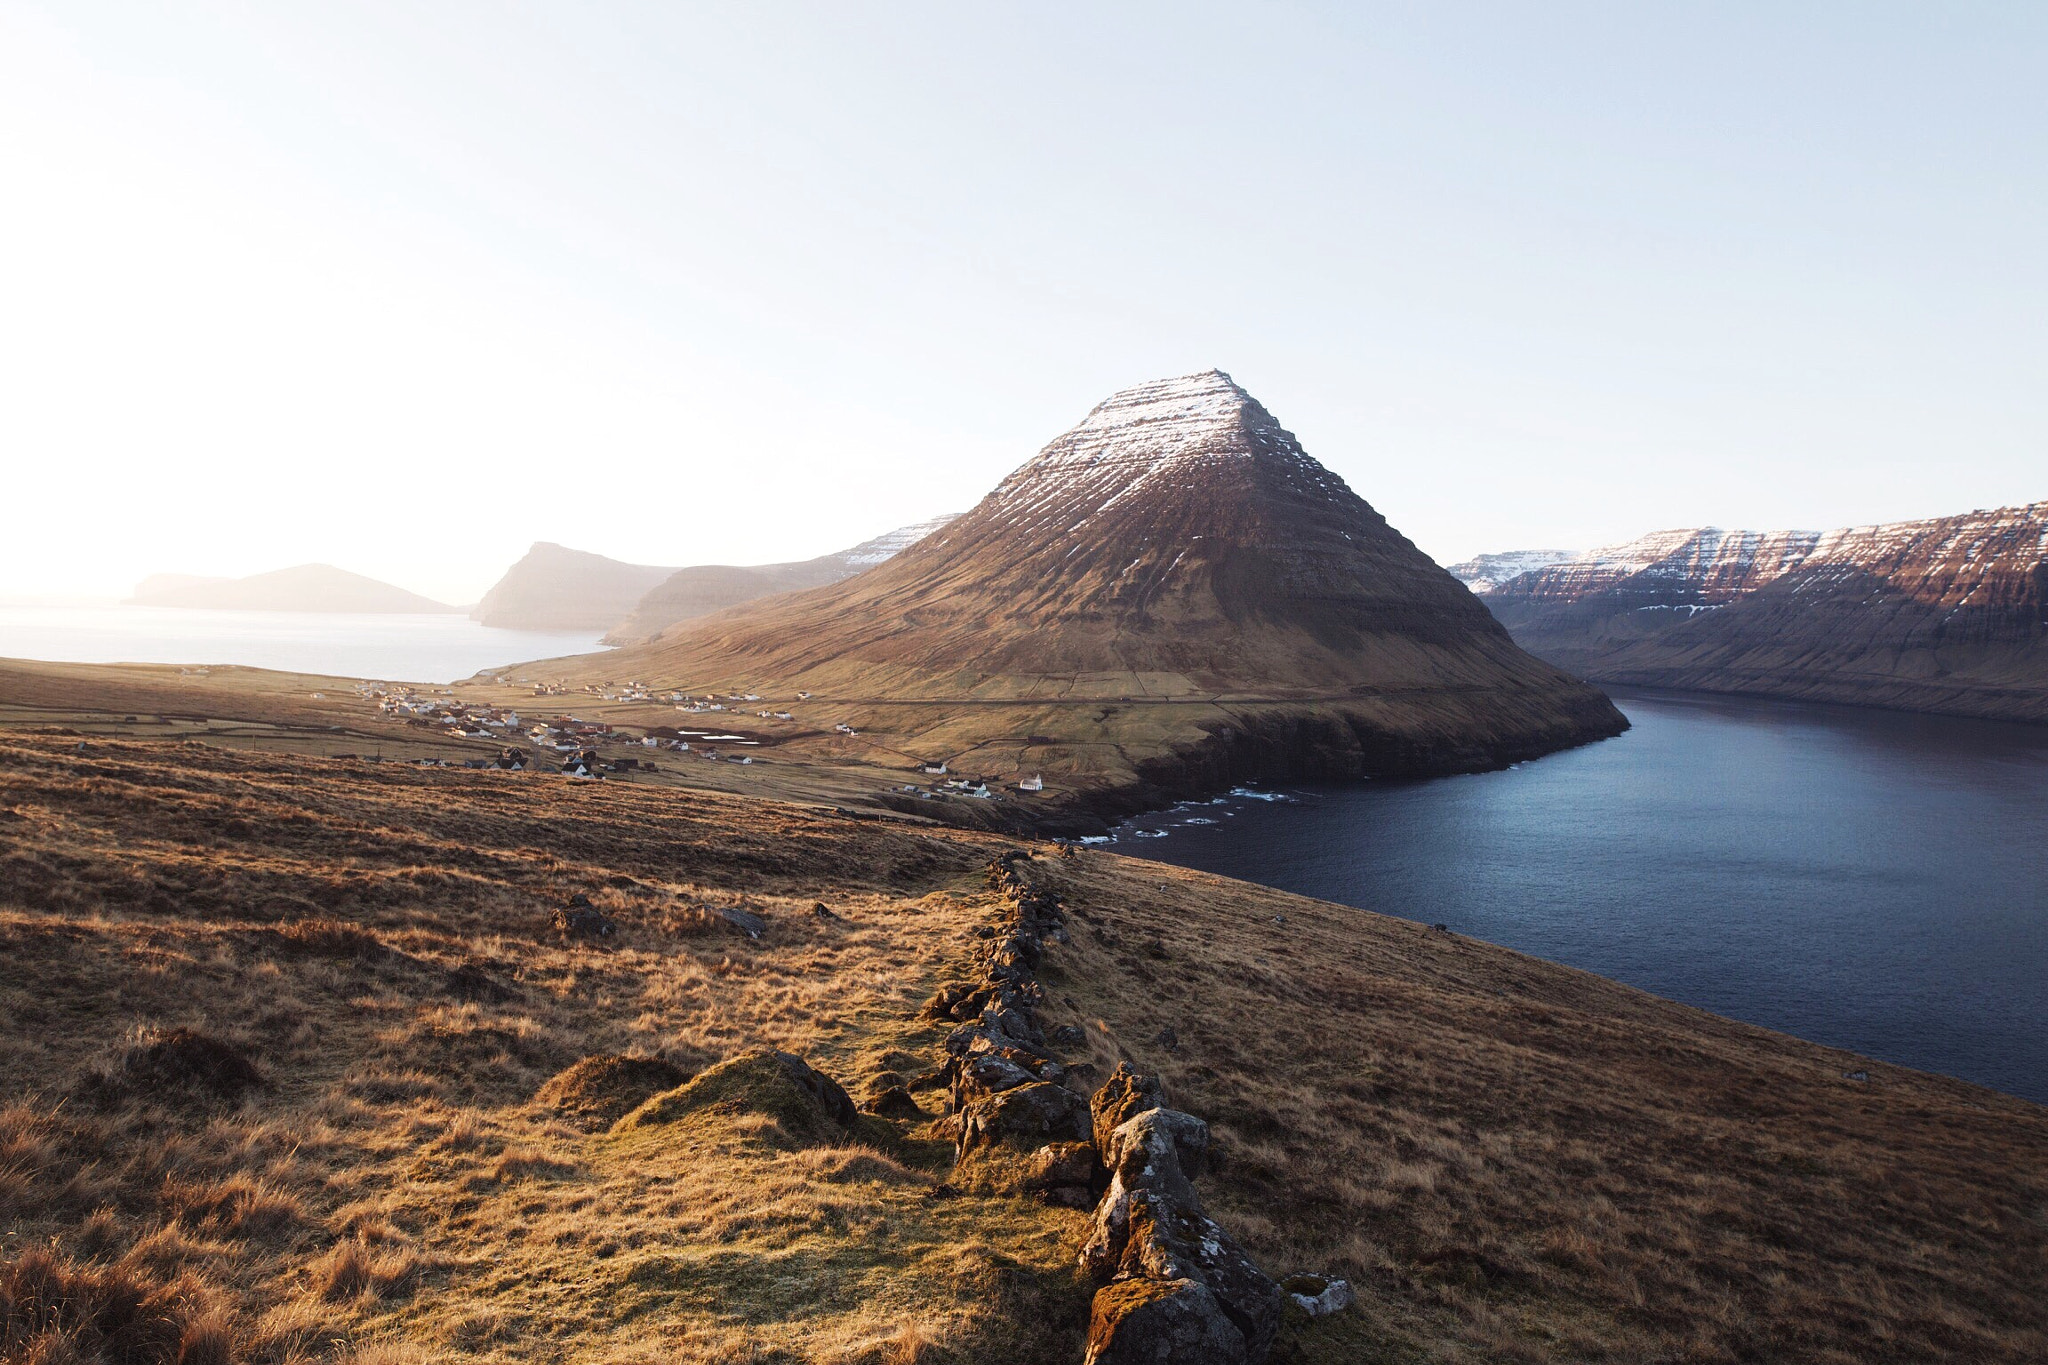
x=888, y=545
x=1168, y=429
x=1735, y=562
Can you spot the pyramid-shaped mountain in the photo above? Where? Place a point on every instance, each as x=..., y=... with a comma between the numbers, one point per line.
x=1178, y=542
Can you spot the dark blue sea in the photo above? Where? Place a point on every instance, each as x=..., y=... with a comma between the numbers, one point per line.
x=1866, y=879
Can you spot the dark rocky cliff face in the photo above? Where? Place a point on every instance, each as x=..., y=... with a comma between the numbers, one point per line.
x=1948, y=614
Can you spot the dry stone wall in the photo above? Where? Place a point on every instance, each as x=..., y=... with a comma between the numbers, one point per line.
x=1173, y=1287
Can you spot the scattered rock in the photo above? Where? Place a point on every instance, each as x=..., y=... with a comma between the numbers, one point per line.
x=1067, y=1035
x=1319, y=1295
x=747, y=922
x=1065, y=1174
x=580, y=919
x=992, y=1073
x=962, y=1000
x=598, y=1091
x=1167, y=1039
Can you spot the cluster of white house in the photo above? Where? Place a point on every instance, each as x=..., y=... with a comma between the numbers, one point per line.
x=463, y=719
x=975, y=787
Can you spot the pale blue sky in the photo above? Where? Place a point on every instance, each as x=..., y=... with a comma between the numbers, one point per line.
x=406, y=287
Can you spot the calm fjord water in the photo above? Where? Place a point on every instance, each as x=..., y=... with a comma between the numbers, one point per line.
x=1865, y=879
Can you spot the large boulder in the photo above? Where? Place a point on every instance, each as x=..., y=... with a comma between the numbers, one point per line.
x=1169, y=1240
x=1025, y=1118
x=1150, y=1229
x=1166, y=1141
x=1162, y=1322
x=1144, y=1161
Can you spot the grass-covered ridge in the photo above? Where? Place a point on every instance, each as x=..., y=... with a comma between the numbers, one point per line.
x=1510, y=1160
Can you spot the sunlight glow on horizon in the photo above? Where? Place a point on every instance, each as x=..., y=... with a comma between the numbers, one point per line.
x=406, y=290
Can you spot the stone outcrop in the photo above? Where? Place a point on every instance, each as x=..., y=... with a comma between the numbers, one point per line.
x=1174, y=1288
x=1151, y=1231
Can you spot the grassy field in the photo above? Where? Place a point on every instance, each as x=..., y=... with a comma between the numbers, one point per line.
x=296, y=1069
x=1100, y=758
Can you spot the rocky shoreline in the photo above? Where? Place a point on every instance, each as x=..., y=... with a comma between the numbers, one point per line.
x=1312, y=744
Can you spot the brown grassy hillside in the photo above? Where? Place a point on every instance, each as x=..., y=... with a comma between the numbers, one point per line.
x=295, y=1070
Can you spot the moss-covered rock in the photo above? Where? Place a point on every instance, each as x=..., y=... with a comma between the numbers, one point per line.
x=598, y=1091
x=808, y=1105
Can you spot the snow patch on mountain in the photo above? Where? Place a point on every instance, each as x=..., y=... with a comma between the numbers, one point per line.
x=887, y=546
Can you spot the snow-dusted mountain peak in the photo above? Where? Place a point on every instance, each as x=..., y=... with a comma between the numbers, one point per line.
x=1169, y=433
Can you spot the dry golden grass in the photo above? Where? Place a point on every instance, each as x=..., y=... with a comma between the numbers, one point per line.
x=1516, y=1161
x=1511, y=1160
x=377, y=943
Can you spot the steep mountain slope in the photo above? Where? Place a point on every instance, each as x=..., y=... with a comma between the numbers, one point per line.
x=705, y=588
x=305, y=587
x=553, y=587
x=1949, y=614
x=1178, y=545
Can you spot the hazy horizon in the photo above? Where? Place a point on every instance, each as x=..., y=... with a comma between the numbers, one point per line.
x=404, y=291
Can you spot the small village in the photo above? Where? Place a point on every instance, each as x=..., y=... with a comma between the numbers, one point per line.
x=592, y=750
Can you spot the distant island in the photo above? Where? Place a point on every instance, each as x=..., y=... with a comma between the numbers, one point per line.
x=553, y=587
x=305, y=587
